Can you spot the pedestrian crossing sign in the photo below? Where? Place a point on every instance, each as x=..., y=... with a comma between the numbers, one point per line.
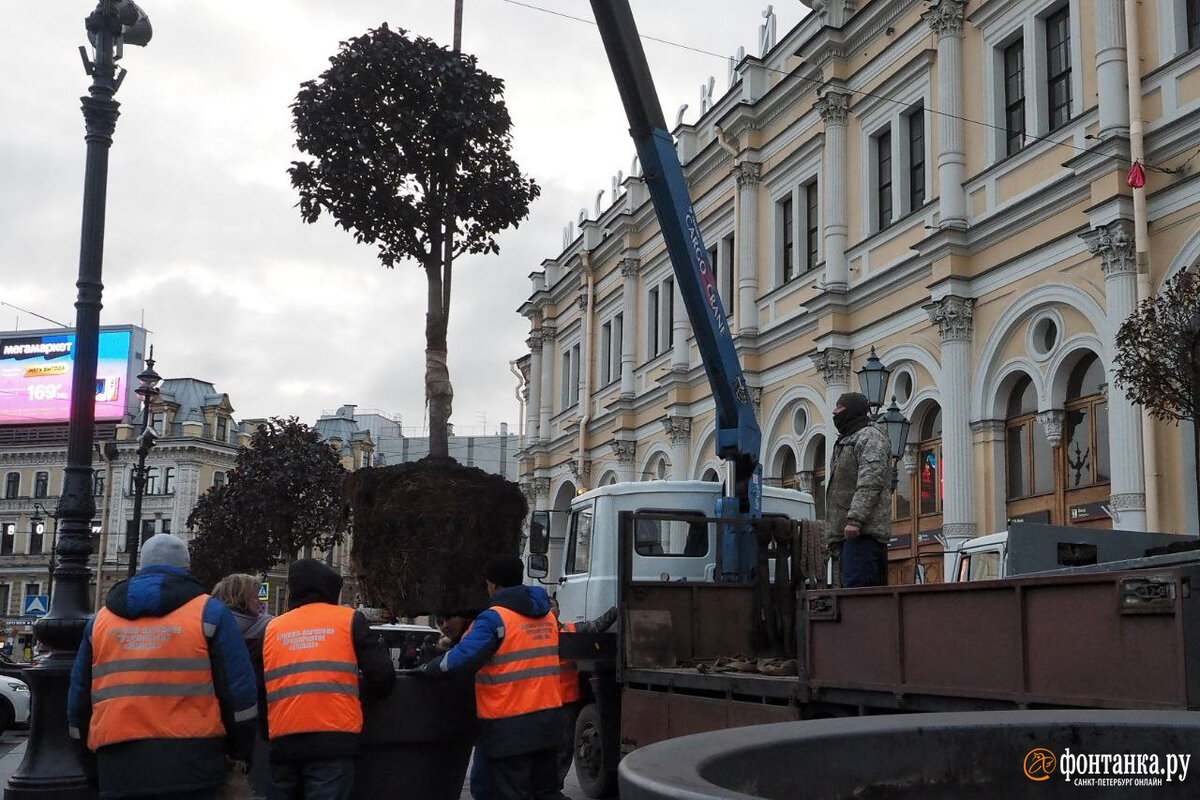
x=263, y=592
x=37, y=605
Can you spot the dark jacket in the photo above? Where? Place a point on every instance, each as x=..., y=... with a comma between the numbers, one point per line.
x=859, y=486
x=252, y=628
x=154, y=766
x=310, y=581
x=508, y=736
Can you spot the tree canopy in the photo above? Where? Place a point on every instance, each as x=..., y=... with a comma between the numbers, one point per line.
x=1156, y=350
x=410, y=145
x=283, y=495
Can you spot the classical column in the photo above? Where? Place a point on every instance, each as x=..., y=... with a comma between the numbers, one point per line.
x=834, y=365
x=533, y=408
x=629, y=272
x=679, y=431
x=945, y=18
x=624, y=450
x=989, y=438
x=547, y=394
x=954, y=318
x=679, y=331
x=833, y=108
x=747, y=175
x=1114, y=244
x=1112, y=87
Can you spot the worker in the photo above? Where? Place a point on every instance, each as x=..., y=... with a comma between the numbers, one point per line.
x=162, y=688
x=512, y=647
x=569, y=685
x=858, y=502
x=312, y=659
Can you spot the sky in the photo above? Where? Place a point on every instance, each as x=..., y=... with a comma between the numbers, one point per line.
x=204, y=244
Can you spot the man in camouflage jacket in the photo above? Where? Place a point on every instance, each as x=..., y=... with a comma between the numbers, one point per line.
x=858, y=511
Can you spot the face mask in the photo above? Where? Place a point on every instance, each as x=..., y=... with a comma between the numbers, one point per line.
x=840, y=419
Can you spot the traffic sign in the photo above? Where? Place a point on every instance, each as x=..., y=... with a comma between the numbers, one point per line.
x=264, y=591
x=36, y=605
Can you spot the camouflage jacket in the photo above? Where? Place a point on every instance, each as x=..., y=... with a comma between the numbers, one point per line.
x=859, y=486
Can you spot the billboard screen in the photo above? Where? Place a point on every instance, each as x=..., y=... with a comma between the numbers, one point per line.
x=36, y=369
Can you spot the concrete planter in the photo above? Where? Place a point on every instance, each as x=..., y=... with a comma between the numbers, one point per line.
x=977, y=755
x=417, y=742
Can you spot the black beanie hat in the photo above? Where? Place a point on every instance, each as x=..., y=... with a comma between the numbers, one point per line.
x=855, y=403
x=505, y=571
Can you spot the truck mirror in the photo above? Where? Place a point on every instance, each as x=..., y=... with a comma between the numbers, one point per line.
x=539, y=532
x=539, y=566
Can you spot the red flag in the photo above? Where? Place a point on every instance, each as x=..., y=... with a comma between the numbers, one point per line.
x=1137, y=176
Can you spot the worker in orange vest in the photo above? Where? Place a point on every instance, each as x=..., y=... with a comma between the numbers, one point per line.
x=312, y=660
x=162, y=688
x=572, y=695
x=512, y=647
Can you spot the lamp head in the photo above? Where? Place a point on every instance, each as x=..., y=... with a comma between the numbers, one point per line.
x=873, y=379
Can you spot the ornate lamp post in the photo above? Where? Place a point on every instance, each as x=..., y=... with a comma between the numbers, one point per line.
x=38, y=520
x=147, y=390
x=873, y=380
x=53, y=766
x=896, y=426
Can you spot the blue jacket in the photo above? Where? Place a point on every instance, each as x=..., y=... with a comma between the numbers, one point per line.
x=508, y=736
x=171, y=765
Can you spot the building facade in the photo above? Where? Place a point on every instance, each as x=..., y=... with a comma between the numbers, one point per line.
x=945, y=182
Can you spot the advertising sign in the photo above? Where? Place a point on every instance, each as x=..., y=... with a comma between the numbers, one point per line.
x=36, y=369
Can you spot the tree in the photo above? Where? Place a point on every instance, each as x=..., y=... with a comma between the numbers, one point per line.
x=1158, y=354
x=283, y=497
x=410, y=145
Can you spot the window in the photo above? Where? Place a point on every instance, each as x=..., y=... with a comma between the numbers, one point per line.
x=1193, y=24
x=883, y=179
x=6, y=540
x=5, y=591
x=916, y=158
x=660, y=312
x=1058, y=68
x=222, y=429
x=158, y=421
x=819, y=479
x=165, y=526
x=1014, y=97
x=32, y=590
x=652, y=323
x=674, y=537
x=581, y=542
x=787, y=238
x=606, y=349
x=929, y=464
x=151, y=487
x=218, y=479
x=570, y=376
x=12, y=484
x=168, y=482
x=1085, y=431
x=1029, y=458
x=37, y=533
x=725, y=279
x=41, y=484
x=812, y=235
x=98, y=479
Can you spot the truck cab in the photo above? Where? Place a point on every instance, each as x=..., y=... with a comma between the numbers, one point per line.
x=680, y=549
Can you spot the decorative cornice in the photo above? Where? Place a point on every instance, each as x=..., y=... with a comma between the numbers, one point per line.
x=747, y=174
x=586, y=475
x=834, y=365
x=945, y=17
x=678, y=429
x=1052, y=425
x=833, y=107
x=992, y=426
x=954, y=317
x=1115, y=245
x=957, y=531
x=1127, y=502
x=624, y=450
x=630, y=267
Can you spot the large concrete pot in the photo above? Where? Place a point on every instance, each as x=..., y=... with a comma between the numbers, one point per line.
x=417, y=742
x=977, y=755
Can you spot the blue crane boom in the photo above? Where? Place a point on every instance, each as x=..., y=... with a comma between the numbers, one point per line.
x=738, y=435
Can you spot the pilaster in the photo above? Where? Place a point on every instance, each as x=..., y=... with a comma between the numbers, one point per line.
x=833, y=108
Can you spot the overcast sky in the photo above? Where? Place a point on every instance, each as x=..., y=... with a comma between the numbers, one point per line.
x=203, y=237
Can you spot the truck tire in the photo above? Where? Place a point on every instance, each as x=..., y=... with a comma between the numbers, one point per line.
x=590, y=758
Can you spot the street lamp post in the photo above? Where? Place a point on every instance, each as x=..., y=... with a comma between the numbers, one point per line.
x=53, y=766
x=39, y=520
x=147, y=390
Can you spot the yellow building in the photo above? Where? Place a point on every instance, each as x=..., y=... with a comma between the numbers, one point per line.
x=942, y=181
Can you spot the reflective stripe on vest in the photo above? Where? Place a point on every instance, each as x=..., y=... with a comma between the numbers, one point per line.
x=568, y=680
x=523, y=675
x=311, y=671
x=152, y=678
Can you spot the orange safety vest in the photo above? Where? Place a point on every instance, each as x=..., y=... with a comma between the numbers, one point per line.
x=311, y=672
x=522, y=675
x=568, y=676
x=152, y=678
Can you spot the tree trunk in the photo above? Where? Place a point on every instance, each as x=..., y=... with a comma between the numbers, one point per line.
x=439, y=394
x=1195, y=414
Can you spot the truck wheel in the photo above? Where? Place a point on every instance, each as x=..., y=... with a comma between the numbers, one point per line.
x=594, y=779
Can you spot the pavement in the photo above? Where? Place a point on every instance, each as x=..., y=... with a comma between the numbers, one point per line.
x=570, y=788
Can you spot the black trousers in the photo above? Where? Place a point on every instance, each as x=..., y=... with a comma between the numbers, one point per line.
x=529, y=776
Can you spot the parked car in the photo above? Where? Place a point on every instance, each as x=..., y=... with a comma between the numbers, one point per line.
x=406, y=642
x=14, y=703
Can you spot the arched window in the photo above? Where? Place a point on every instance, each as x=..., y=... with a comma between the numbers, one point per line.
x=787, y=469
x=1085, y=428
x=819, y=478
x=168, y=482
x=1029, y=458
x=711, y=476
x=929, y=464
x=41, y=484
